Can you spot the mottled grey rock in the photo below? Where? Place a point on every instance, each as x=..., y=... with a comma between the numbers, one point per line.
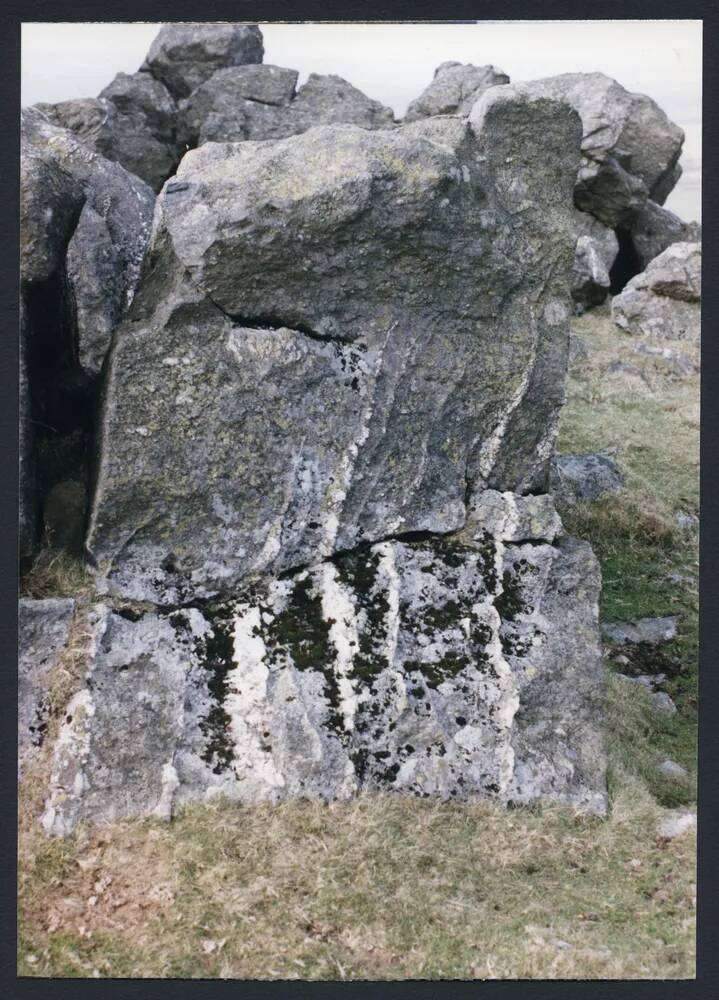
x=148, y=143
x=454, y=89
x=583, y=477
x=675, y=824
x=651, y=630
x=654, y=228
x=107, y=248
x=184, y=55
x=674, y=361
x=426, y=667
x=595, y=253
x=342, y=336
x=670, y=769
x=258, y=103
x=663, y=301
x=630, y=148
x=663, y=703
x=649, y=681
x=43, y=630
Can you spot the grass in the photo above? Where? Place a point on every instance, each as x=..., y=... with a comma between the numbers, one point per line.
x=389, y=888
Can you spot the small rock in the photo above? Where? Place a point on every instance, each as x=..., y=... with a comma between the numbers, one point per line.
x=676, y=363
x=687, y=521
x=675, y=824
x=585, y=476
x=670, y=769
x=649, y=630
x=663, y=703
x=648, y=681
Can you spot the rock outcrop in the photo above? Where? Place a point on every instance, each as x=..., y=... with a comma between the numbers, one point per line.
x=259, y=102
x=390, y=279
x=454, y=90
x=43, y=632
x=596, y=250
x=440, y=667
x=664, y=300
x=184, y=55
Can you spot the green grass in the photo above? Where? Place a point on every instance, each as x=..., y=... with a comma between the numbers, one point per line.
x=386, y=888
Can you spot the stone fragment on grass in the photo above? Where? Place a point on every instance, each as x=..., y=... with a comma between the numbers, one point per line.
x=663, y=703
x=43, y=631
x=670, y=769
x=583, y=477
x=648, y=630
x=677, y=823
x=674, y=361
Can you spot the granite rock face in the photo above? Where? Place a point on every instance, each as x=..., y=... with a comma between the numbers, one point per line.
x=664, y=301
x=259, y=102
x=184, y=55
x=595, y=253
x=43, y=632
x=435, y=667
x=340, y=337
x=454, y=90
x=630, y=148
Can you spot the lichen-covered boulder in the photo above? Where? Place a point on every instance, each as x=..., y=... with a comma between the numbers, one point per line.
x=450, y=667
x=340, y=337
x=654, y=228
x=108, y=245
x=454, y=89
x=596, y=250
x=259, y=102
x=664, y=300
x=630, y=148
x=43, y=632
x=184, y=55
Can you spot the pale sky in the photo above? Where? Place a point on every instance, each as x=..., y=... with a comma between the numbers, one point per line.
x=393, y=63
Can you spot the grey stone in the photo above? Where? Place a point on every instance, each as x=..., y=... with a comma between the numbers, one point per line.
x=654, y=228
x=674, y=361
x=630, y=148
x=583, y=477
x=184, y=55
x=595, y=253
x=675, y=824
x=259, y=103
x=651, y=630
x=687, y=521
x=107, y=248
x=670, y=769
x=663, y=301
x=454, y=89
x=649, y=681
x=426, y=667
x=293, y=380
x=43, y=631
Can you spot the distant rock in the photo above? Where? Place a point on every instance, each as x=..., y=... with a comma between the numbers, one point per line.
x=585, y=476
x=663, y=301
x=674, y=361
x=687, y=521
x=670, y=769
x=43, y=631
x=649, y=630
x=184, y=55
x=259, y=102
x=630, y=148
x=677, y=823
x=454, y=89
x=596, y=250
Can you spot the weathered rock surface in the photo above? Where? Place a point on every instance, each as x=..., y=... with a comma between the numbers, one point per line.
x=584, y=476
x=596, y=250
x=184, y=55
x=43, y=631
x=672, y=361
x=259, y=102
x=439, y=667
x=663, y=301
x=108, y=245
x=454, y=90
x=292, y=281
x=648, y=630
x=630, y=149
x=654, y=228
x=674, y=824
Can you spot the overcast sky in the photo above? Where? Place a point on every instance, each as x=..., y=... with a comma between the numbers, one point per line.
x=394, y=62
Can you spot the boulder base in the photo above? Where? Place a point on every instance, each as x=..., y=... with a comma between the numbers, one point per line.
x=664, y=301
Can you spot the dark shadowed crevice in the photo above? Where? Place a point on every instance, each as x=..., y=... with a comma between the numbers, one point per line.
x=627, y=263
x=267, y=321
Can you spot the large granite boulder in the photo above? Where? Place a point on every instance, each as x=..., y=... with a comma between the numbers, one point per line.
x=43, y=632
x=596, y=250
x=184, y=55
x=664, y=300
x=654, y=228
x=454, y=89
x=107, y=247
x=449, y=667
x=340, y=337
x=259, y=102
x=630, y=148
